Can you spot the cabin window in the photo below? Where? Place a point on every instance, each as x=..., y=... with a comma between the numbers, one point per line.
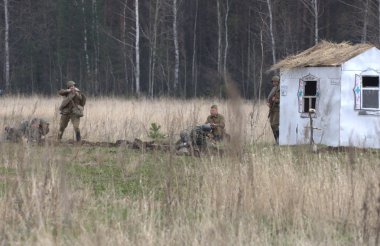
x=308, y=95
x=370, y=92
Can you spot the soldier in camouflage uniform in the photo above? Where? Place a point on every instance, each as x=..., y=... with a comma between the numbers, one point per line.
x=33, y=131
x=273, y=102
x=12, y=134
x=71, y=109
x=194, y=140
x=217, y=123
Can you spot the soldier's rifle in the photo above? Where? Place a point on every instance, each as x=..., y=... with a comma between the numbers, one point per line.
x=272, y=102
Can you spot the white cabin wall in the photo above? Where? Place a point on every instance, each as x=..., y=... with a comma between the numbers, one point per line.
x=358, y=130
x=293, y=128
x=367, y=59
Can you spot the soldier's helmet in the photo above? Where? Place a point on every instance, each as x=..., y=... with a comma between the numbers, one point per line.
x=276, y=78
x=70, y=83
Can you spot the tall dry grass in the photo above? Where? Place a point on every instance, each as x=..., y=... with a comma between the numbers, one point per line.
x=109, y=119
x=265, y=195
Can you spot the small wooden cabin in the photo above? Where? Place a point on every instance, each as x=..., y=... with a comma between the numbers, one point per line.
x=341, y=82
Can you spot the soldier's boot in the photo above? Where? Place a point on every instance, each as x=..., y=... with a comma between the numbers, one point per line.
x=78, y=137
x=277, y=136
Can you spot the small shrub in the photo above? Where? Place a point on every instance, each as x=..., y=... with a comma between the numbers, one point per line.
x=154, y=131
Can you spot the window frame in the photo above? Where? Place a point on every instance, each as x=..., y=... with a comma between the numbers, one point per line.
x=358, y=91
x=370, y=89
x=309, y=97
x=301, y=96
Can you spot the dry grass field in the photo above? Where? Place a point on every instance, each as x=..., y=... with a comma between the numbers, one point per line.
x=255, y=194
x=109, y=119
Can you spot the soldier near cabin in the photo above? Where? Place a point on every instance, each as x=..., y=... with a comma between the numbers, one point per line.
x=273, y=102
x=71, y=109
x=217, y=123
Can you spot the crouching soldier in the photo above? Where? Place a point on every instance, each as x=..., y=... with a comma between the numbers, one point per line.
x=217, y=123
x=195, y=140
x=12, y=134
x=34, y=131
x=71, y=109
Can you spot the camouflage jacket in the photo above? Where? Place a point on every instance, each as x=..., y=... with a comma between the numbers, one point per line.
x=274, y=94
x=71, y=99
x=33, y=131
x=218, y=120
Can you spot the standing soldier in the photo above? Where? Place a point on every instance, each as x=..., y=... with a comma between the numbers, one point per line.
x=71, y=109
x=216, y=122
x=274, y=107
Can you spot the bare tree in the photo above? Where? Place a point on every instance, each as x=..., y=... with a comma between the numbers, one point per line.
x=248, y=78
x=176, y=46
x=261, y=64
x=153, y=50
x=366, y=9
x=194, y=76
x=316, y=26
x=365, y=22
x=226, y=41
x=269, y=4
x=137, y=48
x=313, y=7
x=85, y=38
x=124, y=39
x=95, y=29
x=6, y=45
x=220, y=28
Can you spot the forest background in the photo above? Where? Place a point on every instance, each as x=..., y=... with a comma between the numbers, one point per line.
x=173, y=48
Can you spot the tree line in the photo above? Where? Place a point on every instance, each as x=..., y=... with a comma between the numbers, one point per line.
x=179, y=48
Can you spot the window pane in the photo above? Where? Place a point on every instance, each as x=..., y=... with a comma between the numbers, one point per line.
x=370, y=81
x=370, y=99
x=306, y=105
x=313, y=100
x=310, y=88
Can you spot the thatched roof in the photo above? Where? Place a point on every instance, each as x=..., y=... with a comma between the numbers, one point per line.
x=324, y=54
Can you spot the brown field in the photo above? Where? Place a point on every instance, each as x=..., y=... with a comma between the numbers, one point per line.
x=109, y=119
x=258, y=194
